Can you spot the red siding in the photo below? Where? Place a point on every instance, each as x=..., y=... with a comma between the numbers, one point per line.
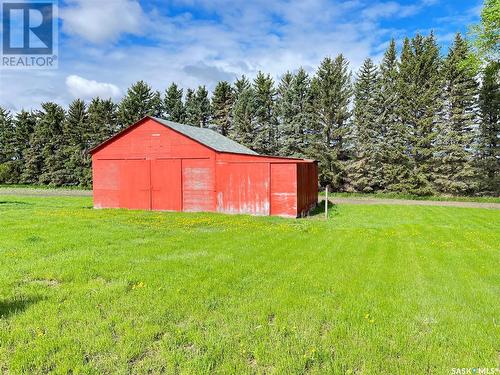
x=198, y=185
x=243, y=188
x=284, y=189
x=152, y=167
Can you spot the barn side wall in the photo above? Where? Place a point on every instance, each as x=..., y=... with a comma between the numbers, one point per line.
x=307, y=191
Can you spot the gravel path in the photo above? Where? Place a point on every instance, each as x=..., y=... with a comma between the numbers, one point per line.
x=408, y=202
x=33, y=192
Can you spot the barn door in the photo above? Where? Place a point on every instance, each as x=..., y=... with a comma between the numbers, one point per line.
x=198, y=187
x=166, y=194
x=135, y=192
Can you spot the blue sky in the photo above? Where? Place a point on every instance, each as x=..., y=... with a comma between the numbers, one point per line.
x=104, y=46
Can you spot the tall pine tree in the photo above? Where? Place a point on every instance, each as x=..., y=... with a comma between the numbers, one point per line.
x=395, y=164
x=243, y=113
x=332, y=92
x=198, y=107
x=296, y=114
x=141, y=100
x=222, y=101
x=489, y=130
x=265, y=117
x=174, y=108
x=364, y=169
x=454, y=166
x=6, y=146
x=45, y=143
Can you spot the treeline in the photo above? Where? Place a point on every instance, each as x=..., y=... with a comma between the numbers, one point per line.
x=418, y=123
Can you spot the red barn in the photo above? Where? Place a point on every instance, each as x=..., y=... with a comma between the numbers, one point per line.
x=161, y=165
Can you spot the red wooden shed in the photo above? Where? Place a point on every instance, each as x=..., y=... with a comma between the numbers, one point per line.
x=157, y=164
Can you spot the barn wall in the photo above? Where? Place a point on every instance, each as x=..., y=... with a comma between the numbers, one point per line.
x=243, y=188
x=307, y=192
x=151, y=140
x=284, y=189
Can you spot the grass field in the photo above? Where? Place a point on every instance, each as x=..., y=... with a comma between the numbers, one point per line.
x=373, y=290
x=438, y=198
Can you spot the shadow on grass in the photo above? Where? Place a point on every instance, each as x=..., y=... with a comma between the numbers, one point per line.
x=9, y=308
x=16, y=203
x=319, y=211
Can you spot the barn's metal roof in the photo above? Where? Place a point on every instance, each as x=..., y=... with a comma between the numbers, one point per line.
x=207, y=137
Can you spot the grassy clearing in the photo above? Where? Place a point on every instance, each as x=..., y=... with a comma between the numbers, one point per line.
x=415, y=197
x=376, y=289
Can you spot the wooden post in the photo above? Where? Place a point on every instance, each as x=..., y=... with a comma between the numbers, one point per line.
x=326, y=202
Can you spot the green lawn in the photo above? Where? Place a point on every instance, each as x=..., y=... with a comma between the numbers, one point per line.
x=373, y=290
x=443, y=198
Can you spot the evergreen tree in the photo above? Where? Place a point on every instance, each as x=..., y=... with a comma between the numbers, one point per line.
x=419, y=89
x=395, y=164
x=6, y=134
x=454, y=165
x=191, y=108
x=363, y=170
x=197, y=107
x=24, y=124
x=222, y=101
x=174, y=108
x=71, y=154
x=45, y=142
x=489, y=130
x=240, y=85
x=332, y=92
x=243, y=114
x=265, y=141
x=6, y=145
x=296, y=114
x=102, y=124
x=203, y=105
x=139, y=102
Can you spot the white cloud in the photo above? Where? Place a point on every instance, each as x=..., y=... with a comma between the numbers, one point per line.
x=390, y=9
x=221, y=39
x=100, y=21
x=86, y=89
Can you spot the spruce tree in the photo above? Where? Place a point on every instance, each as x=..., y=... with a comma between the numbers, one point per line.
x=6, y=145
x=222, y=101
x=6, y=134
x=285, y=113
x=102, y=124
x=203, y=106
x=71, y=155
x=363, y=170
x=395, y=163
x=296, y=114
x=45, y=143
x=454, y=166
x=265, y=141
x=489, y=131
x=174, y=108
x=139, y=102
x=332, y=93
x=419, y=90
x=191, y=108
x=197, y=107
x=243, y=130
x=24, y=124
